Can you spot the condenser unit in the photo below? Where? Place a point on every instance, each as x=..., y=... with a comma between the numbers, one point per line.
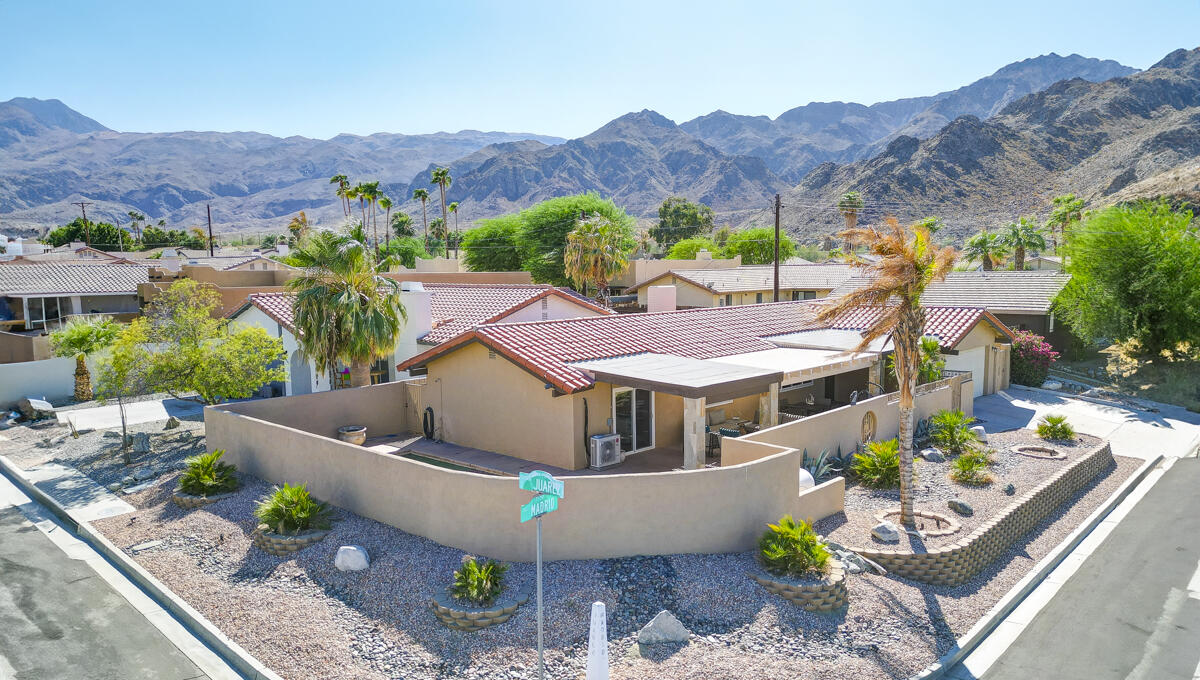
x=606, y=451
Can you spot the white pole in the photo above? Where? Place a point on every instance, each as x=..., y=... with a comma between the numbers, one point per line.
x=597, y=660
x=541, y=657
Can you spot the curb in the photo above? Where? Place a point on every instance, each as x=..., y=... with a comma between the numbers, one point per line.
x=968, y=642
x=195, y=623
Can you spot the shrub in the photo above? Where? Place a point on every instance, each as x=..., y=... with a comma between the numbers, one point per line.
x=971, y=468
x=478, y=582
x=1031, y=359
x=792, y=549
x=819, y=467
x=1055, y=427
x=879, y=467
x=206, y=474
x=291, y=509
x=951, y=431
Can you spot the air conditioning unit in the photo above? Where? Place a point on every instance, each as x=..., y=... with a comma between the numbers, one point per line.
x=606, y=451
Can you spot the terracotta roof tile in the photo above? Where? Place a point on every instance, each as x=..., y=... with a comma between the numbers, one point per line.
x=825, y=275
x=1029, y=292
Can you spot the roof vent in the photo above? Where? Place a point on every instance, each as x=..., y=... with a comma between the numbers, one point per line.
x=412, y=287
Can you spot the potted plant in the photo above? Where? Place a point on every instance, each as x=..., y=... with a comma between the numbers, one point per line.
x=353, y=434
x=291, y=519
x=205, y=480
x=476, y=598
x=800, y=567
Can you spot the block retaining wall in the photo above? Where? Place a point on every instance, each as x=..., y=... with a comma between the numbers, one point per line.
x=958, y=562
x=827, y=595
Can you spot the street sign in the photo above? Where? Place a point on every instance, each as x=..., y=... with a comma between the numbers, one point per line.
x=539, y=506
x=541, y=482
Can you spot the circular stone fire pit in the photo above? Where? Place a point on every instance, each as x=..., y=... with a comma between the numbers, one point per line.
x=1041, y=452
x=934, y=524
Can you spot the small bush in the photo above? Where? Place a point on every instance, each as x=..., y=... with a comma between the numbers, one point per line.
x=971, y=468
x=1055, y=427
x=291, y=509
x=1031, y=359
x=792, y=549
x=206, y=474
x=879, y=467
x=479, y=583
x=951, y=431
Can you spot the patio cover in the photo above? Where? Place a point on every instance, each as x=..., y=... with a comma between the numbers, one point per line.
x=830, y=338
x=799, y=364
x=683, y=376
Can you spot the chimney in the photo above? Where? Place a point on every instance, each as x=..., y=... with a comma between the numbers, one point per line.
x=660, y=299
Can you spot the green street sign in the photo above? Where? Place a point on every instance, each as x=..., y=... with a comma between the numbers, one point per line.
x=541, y=482
x=539, y=506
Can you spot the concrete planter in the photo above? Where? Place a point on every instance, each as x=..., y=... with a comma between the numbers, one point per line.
x=457, y=615
x=281, y=545
x=823, y=595
x=353, y=434
x=188, y=502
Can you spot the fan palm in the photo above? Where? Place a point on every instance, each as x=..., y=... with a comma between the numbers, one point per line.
x=441, y=177
x=986, y=247
x=80, y=338
x=422, y=195
x=850, y=205
x=453, y=208
x=386, y=204
x=342, y=182
x=298, y=226
x=908, y=262
x=402, y=225
x=594, y=254
x=1021, y=236
x=371, y=191
x=1067, y=211
x=344, y=308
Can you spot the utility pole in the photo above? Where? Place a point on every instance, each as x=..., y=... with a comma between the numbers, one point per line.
x=778, y=208
x=208, y=207
x=87, y=239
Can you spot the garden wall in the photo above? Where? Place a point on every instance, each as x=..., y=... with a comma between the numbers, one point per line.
x=957, y=563
x=50, y=379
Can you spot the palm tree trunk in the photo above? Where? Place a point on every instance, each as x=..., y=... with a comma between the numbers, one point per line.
x=83, y=379
x=987, y=262
x=360, y=373
x=425, y=221
x=1019, y=258
x=445, y=219
x=907, y=340
x=907, y=471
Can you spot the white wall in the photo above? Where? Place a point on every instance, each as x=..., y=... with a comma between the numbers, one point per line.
x=556, y=308
x=50, y=379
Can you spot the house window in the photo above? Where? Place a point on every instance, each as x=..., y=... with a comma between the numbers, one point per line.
x=795, y=295
x=379, y=371
x=42, y=311
x=728, y=300
x=810, y=295
x=633, y=418
x=757, y=298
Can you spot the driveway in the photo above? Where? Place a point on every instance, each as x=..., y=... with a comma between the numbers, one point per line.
x=109, y=417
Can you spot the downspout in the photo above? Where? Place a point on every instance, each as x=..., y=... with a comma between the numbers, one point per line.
x=587, y=454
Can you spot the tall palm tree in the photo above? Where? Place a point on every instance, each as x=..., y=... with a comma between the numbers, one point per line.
x=908, y=262
x=850, y=205
x=298, y=226
x=422, y=195
x=453, y=208
x=345, y=309
x=1021, y=236
x=342, y=182
x=81, y=338
x=371, y=191
x=441, y=177
x=402, y=225
x=986, y=247
x=594, y=254
x=1067, y=211
x=386, y=204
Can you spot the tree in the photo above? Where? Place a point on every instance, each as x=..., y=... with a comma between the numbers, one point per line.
x=932, y=223
x=908, y=263
x=544, y=227
x=441, y=177
x=757, y=245
x=406, y=250
x=850, y=205
x=986, y=247
x=492, y=246
x=721, y=236
x=687, y=248
x=422, y=195
x=124, y=372
x=1067, y=211
x=437, y=229
x=453, y=208
x=386, y=204
x=402, y=225
x=679, y=218
x=345, y=309
x=81, y=338
x=370, y=191
x=596, y=252
x=342, y=182
x=1135, y=274
x=1021, y=236
x=299, y=226
x=105, y=236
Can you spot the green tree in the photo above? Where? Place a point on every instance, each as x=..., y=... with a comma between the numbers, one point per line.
x=757, y=245
x=406, y=250
x=342, y=183
x=422, y=195
x=104, y=236
x=402, y=225
x=1021, y=236
x=721, y=236
x=1067, y=211
x=437, y=229
x=492, y=246
x=125, y=372
x=544, y=228
x=298, y=226
x=687, y=248
x=1135, y=274
x=441, y=177
x=386, y=204
x=345, y=309
x=679, y=218
x=933, y=224
x=986, y=247
x=597, y=250
x=81, y=338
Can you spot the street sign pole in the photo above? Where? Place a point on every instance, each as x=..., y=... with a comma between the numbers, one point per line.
x=549, y=490
x=541, y=658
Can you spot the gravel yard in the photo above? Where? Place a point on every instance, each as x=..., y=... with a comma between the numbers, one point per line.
x=305, y=619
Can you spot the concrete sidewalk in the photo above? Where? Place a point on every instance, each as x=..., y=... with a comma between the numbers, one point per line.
x=109, y=417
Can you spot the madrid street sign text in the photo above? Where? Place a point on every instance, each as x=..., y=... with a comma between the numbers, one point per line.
x=539, y=506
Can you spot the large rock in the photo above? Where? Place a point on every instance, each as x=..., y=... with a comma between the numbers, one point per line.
x=933, y=455
x=172, y=423
x=980, y=432
x=663, y=628
x=887, y=532
x=143, y=473
x=35, y=409
x=141, y=442
x=351, y=558
x=961, y=507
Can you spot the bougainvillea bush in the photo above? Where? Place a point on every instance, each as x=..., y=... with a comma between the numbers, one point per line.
x=1031, y=359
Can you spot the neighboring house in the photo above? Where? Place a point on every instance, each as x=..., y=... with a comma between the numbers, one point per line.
x=665, y=381
x=697, y=288
x=436, y=312
x=1044, y=262
x=249, y=262
x=33, y=296
x=73, y=252
x=640, y=270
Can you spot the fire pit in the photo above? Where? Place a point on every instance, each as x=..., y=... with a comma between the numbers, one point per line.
x=1042, y=452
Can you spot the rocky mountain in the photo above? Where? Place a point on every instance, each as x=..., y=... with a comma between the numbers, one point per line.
x=1127, y=137
x=24, y=118
x=803, y=137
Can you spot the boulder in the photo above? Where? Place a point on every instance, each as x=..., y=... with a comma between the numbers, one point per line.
x=35, y=409
x=1009, y=489
x=141, y=442
x=172, y=423
x=933, y=455
x=143, y=473
x=663, y=628
x=114, y=487
x=981, y=433
x=961, y=507
x=853, y=562
x=887, y=532
x=351, y=558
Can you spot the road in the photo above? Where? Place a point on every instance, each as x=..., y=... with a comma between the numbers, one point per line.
x=1132, y=610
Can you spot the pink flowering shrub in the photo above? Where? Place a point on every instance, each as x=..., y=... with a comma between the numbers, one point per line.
x=1031, y=359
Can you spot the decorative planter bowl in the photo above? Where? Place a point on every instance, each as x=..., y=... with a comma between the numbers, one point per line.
x=458, y=615
x=281, y=545
x=825, y=594
x=187, y=501
x=353, y=434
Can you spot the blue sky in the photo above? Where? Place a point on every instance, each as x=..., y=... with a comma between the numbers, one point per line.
x=561, y=67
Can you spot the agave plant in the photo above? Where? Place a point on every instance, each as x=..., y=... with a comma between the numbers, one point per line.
x=206, y=474
x=292, y=509
x=819, y=467
x=478, y=582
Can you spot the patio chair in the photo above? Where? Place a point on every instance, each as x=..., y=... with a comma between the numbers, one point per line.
x=729, y=432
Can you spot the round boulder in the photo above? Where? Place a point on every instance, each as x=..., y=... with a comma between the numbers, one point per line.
x=351, y=558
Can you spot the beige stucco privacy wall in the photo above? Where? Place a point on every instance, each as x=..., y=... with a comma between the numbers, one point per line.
x=711, y=510
x=52, y=379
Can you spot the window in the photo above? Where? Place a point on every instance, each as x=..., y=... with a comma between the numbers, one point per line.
x=728, y=300
x=796, y=295
x=757, y=298
x=810, y=295
x=40, y=311
x=379, y=371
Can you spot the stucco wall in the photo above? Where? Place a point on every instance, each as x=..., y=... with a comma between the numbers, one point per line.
x=555, y=308
x=51, y=379
x=383, y=409
x=16, y=347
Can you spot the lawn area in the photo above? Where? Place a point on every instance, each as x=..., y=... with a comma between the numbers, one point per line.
x=1172, y=377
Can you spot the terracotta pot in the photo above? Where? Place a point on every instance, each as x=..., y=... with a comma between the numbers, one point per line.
x=353, y=434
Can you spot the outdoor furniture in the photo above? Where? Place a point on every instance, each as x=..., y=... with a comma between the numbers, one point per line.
x=749, y=427
x=712, y=444
x=730, y=432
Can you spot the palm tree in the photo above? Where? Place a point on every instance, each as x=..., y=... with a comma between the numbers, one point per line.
x=986, y=247
x=1022, y=235
x=441, y=177
x=386, y=204
x=453, y=207
x=1067, y=211
x=342, y=182
x=422, y=195
x=908, y=262
x=371, y=192
x=402, y=225
x=345, y=309
x=594, y=254
x=298, y=226
x=80, y=338
x=850, y=205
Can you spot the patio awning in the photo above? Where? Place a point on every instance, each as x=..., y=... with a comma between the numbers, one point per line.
x=830, y=338
x=799, y=364
x=682, y=376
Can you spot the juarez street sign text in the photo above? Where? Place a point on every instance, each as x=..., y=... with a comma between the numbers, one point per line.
x=541, y=482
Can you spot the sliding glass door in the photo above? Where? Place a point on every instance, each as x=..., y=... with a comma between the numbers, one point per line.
x=633, y=418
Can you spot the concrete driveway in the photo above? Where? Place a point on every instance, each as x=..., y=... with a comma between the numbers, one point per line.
x=109, y=417
x=1172, y=431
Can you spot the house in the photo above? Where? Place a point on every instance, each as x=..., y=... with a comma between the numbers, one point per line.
x=1044, y=262
x=247, y=262
x=695, y=288
x=34, y=296
x=667, y=382
x=436, y=313
x=641, y=270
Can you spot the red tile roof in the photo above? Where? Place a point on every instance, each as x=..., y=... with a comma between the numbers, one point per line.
x=548, y=348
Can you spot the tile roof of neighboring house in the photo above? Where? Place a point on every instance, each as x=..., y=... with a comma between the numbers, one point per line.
x=1028, y=292
x=74, y=262
x=66, y=279
x=820, y=276
x=220, y=262
x=547, y=349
